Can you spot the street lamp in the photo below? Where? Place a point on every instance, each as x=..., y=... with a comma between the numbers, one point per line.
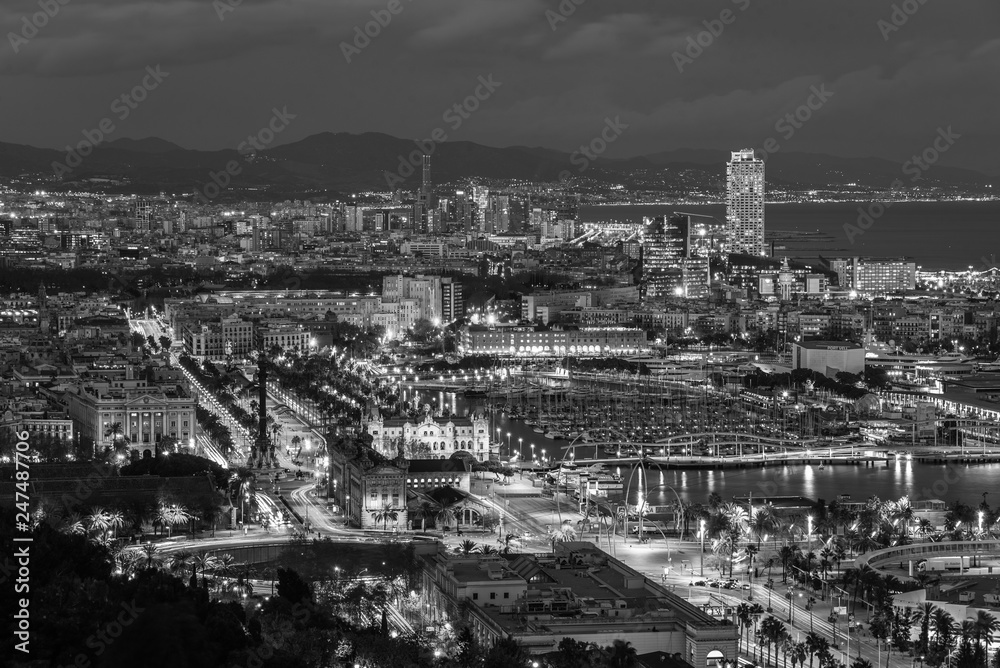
x=702, y=532
x=508, y=444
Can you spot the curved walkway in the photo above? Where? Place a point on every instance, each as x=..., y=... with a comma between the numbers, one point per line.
x=916, y=551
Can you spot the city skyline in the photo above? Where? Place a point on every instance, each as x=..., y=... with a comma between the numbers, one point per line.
x=910, y=61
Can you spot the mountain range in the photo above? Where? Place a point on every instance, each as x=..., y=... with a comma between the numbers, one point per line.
x=337, y=163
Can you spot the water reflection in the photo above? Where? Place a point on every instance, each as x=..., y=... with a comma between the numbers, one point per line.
x=887, y=481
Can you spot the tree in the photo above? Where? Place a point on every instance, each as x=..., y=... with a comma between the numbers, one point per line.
x=166, y=342
x=424, y=512
x=422, y=330
x=384, y=514
x=506, y=653
x=622, y=655
x=466, y=547
x=445, y=516
x=923, y=616
x=292, y=587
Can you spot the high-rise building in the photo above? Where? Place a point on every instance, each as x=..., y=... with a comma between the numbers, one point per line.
x=143, y=214
x=675, y=259
x=745, y=203
x=423, y=220
x=452, y=304
x=354, y=219
x=664, y=246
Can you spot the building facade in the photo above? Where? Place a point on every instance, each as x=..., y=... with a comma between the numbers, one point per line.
x=442, y=436
x=146, y=414
x=528, y=341
x=745, y=203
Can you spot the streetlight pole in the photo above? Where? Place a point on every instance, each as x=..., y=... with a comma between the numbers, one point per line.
x=702, y=548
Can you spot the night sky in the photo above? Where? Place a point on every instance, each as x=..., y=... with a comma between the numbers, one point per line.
x=560, y=74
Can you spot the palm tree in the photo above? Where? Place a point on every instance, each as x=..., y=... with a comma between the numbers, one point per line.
x=861, y=662
x=762, y=521
x=744, y=618
x=944, y=628
x=771, y=630
x=201, y=561
x=621, y=654
x=923, y=616
x=179, y=561
x=223, y=565
x=114, y=431
x=986, y=626
x=722, y=548
x=72, y=524
x=565, y=533
x=425, y=511
x=488, y=549
x=786, y=554
x=170, y=515
x=97, y=521
x=902, y=511
x=445, y=516
x=798, y=653
x=115, y=520
x=466, y=547
x=149, y=557
x=384, y=514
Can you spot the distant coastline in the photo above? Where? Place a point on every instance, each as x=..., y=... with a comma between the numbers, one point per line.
x=939, y=235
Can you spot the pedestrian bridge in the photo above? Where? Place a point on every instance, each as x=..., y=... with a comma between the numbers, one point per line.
x=881, y=559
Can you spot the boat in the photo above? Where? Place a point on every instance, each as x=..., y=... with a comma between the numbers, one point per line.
x=554, y=434
x=538, y=430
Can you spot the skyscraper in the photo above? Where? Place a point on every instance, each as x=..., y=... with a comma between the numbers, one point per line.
x=422, y=216
x=664, y=247
x=745, y=203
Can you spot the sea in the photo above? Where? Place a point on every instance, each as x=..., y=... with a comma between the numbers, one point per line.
x=949, y=235
x=951, y=482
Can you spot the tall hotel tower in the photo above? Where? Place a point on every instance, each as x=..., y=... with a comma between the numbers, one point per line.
x=745, y=203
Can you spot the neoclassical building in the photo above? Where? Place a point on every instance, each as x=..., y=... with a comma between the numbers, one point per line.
x=443, y=436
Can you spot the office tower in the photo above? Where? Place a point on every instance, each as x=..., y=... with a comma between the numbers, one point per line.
x=745, y=203
x=480, y=198
x=664, y=245
x=452, y=305
x=425, y=184
x=674, y=261
x=497, y=218
x=422, y=208
x=143, y=211
x=463, y=211
x=354, y=219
